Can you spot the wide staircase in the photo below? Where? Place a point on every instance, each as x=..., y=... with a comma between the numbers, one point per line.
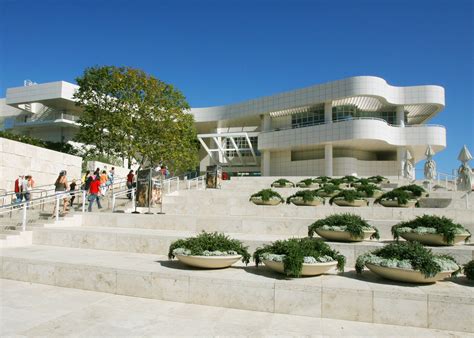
x=124, y=253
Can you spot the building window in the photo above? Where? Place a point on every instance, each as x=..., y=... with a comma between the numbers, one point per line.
x=308, y=118
x=241, y=143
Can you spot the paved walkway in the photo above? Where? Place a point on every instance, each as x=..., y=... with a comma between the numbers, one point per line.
x=31, y=310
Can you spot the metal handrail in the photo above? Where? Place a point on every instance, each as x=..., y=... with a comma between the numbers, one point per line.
x=197, y=179
x=353, y=119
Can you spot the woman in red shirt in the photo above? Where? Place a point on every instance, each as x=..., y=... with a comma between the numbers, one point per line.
x=94, y=189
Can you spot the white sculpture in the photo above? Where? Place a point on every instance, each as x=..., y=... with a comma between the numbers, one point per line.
x=430, y=164
x=464, y=171
x=408, y=168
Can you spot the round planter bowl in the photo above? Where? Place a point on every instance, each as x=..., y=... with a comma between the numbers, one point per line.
x=408, y=276
x=299, y=202
x=209, y=262
x=354, y=203
x=308, y=269
x=343, y=236
x=287, y=185
x=271, y=201
x=434, y=202
x=345, y=186
x=394, y=204
x=432, y=239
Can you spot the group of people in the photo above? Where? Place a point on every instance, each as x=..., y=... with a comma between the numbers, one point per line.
x=97, y=184
x=24, y=184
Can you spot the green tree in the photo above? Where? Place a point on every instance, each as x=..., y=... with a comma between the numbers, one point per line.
x=130, y=114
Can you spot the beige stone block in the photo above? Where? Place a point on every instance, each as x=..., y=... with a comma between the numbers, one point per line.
x=173, y=288
x=451, y=313
x=295, y=299
x=136, y=284
x=400, y=308
x=347, y=304
x=42, y=273
x=15, y=269
x=100, y=280
x=257, y=296
x=60, y=238
x=69, y=276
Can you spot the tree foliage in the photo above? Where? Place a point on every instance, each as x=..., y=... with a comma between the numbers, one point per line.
x=130, y=114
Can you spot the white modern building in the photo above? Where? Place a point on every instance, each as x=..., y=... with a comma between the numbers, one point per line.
x=360, y=125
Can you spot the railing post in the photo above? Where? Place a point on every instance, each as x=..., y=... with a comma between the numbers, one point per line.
x=23, y=223
x=467, y=200
x=133, y=197
x=177, y=185
x=188, y=184
x=57, y=208
x=169, y=186
x=113, y=202
x=84, y=201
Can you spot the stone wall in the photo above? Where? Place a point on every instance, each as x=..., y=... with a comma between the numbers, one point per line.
x=43, y=164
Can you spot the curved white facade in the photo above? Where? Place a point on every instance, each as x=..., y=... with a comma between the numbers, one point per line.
x=357, y=125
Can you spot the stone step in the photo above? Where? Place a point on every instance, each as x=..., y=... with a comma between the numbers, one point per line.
x=366, y=298
x=158, y=241
x=232, y=224
x=238, y=208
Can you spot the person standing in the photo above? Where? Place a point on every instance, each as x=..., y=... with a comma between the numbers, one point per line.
x=18, y=184
x=130, y=178
x=60, y=187
x=94, y=193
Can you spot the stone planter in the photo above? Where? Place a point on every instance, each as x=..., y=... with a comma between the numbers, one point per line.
x=354, y=203
x=287, y=185
x=271, y=201
x=209, y=262
x=408, y=276
x=344, y=186
x=394, y=204
x=308, y=269
x=299, y=202
x=434, y=202
x=432, y=239
x=323, y=194
x=343, y=236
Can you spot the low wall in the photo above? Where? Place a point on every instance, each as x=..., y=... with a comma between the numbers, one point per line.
x=44, y=165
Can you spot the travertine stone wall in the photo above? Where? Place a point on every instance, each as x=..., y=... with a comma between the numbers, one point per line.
x=43, y=164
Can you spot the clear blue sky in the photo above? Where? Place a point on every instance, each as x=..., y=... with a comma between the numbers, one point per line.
x=220, y=52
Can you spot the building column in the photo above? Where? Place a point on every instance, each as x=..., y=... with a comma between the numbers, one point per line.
x=266, y=163
x=266, y=122
x=400, y=118
x=401, y=160
x=328, y=160
x=328, y=112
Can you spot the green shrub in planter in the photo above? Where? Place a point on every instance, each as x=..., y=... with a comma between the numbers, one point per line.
x=306, y=195
x=306, y=183
x=469, y=270
x=328, y=189
x=349, y=179
x=368, y=189
x=282, y=182
x=408, y=256
x=401, y=196
x=267, y=194
x=296, y=251
x=413, y=189
x=336, y=181
x=428, y=224
x=209, y=244
x=351, y=223
x=322, y=179
x=378, y=179
x=348, y=196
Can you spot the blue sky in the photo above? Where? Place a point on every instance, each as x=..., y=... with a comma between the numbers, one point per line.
x=220, y=52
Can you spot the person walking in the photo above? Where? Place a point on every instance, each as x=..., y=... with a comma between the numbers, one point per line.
x=60, y=187
x=130, y=179
x=26, y=189
x=17, y=189
x=94, y=190
x=103, y=182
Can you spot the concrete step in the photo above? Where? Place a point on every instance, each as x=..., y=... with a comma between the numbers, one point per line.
x=258, y=225
x=158, y=241
x=366, y=298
